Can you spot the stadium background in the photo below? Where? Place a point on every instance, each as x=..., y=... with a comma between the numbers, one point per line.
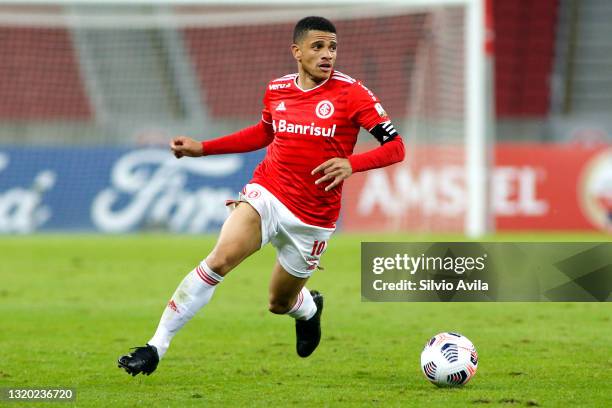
x=85, y=112
x=99, y=223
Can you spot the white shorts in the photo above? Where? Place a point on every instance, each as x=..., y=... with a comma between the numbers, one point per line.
x=299, y=246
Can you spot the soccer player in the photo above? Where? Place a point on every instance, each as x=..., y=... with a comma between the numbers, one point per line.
x=310, y=121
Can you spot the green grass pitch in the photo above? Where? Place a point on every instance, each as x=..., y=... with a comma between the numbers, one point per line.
x=70, y=305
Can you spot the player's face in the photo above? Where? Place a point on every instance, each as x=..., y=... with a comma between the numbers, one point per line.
x=316, y=54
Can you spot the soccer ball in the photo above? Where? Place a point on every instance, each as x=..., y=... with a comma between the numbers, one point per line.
x=449, y=360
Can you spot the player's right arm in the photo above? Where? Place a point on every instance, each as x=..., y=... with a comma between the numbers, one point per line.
x=246, y=140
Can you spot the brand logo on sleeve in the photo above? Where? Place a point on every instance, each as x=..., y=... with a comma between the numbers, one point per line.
x=324, y=109
x=380, y=110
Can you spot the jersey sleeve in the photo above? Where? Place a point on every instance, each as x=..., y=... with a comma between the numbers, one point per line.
x=266, y=116
x=365, y=108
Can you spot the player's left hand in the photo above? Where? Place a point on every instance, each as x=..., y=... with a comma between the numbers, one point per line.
x=337, y=169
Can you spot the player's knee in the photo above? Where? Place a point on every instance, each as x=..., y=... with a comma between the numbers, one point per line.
x=220, y=263
x=279, y=306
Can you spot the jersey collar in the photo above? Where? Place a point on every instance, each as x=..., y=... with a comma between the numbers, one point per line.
x=311, y=89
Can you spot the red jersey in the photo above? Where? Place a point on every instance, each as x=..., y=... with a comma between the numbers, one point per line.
x=310, y=127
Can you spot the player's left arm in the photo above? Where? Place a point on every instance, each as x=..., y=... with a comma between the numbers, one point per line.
x=390, y=151
x=366, y=111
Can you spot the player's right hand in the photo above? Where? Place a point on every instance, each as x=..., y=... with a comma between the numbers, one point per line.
x=186, y=146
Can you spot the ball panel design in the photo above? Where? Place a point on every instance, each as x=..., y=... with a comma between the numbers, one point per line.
x=430, y=370
x=450, y=351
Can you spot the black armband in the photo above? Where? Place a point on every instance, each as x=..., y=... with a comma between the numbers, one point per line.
x=384, y=132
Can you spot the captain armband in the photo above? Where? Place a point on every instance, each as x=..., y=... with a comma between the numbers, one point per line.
x=384, y=132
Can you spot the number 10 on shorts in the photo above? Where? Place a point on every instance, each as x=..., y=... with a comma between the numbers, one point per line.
x=318, y=247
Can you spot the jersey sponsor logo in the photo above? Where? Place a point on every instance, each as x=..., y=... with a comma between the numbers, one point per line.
x=288, y=127
x=380, y=110
x=324, y=109
x=281, y=106
x=275, y=87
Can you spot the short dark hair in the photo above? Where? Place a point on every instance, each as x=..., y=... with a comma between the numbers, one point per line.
x=312, y=23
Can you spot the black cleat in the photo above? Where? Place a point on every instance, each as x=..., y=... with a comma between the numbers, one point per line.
x=141, y=360
x=308, y=332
